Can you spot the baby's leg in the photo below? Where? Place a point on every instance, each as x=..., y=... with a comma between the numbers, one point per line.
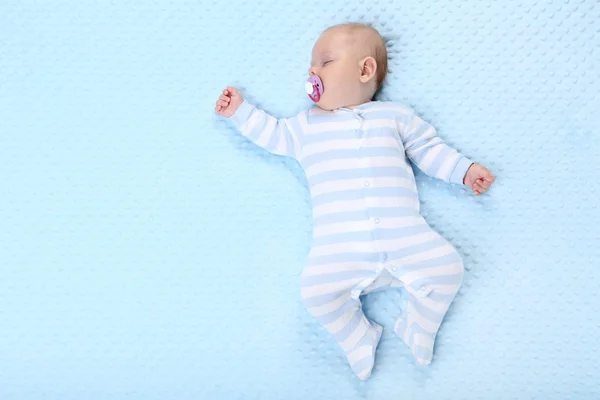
x=433, y=284
x=337, y=307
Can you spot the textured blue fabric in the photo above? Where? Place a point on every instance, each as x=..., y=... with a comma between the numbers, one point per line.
x=147, y=251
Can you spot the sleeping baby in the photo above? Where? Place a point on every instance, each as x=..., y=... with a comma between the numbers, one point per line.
x=368, y=233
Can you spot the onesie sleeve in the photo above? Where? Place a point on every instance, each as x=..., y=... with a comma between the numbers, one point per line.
x=277, y=136
x=429, y=152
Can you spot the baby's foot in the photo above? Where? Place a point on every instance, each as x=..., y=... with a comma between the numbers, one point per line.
x=420, y=344
x=362, y=357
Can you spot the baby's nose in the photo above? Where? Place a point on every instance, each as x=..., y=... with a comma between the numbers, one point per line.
x=311, y=71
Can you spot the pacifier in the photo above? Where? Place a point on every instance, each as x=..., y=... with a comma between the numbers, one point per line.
x=314, y=88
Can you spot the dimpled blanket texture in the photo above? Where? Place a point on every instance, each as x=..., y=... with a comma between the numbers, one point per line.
x=148, y=251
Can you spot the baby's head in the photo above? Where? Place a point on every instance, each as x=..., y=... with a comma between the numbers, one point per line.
x=351, y=61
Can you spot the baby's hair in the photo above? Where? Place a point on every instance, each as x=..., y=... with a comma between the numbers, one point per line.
x=378, y=51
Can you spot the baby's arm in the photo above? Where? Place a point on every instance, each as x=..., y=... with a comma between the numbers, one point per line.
x=437, y=159
x=280, y=137
x=429, y=152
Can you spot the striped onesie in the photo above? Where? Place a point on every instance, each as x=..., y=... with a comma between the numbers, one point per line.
x=368, y=232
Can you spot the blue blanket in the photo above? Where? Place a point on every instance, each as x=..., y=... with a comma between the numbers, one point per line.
x=147, y=251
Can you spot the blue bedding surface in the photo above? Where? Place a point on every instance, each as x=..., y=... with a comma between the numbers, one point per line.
x=147, y=251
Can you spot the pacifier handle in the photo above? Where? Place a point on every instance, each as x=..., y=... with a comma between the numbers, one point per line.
x=314, y=88
x=309, y=87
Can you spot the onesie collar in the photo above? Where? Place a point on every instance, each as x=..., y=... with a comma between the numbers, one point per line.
x=363, y=106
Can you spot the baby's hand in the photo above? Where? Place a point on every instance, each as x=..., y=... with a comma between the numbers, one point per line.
x=478, y=178
x=228, y=102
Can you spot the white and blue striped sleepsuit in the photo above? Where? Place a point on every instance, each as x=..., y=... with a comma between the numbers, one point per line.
x=368, y=231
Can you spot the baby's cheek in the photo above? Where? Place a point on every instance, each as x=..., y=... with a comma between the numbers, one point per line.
x=330, y=87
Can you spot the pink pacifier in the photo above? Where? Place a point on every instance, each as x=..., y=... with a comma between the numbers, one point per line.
x=314, y=88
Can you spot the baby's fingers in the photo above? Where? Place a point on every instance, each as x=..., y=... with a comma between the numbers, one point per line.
x=489, y=178
x=231, y=91
x=225, y=98
x=483, y=183
x=478, y=188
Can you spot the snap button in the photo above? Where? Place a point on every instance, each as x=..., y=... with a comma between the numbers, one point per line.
x=424, y=291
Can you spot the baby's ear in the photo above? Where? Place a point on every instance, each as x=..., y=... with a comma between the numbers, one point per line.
x=368, y=69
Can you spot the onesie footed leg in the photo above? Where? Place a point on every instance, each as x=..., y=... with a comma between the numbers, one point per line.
x=429, y=298
x=336, y=305
x=416, y=338
x=362, y=357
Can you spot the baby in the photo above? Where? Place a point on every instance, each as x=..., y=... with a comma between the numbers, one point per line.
x=368, y=231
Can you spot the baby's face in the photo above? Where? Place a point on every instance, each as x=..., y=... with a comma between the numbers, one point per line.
x=337, y=63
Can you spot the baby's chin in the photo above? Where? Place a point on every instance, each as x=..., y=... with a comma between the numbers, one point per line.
x=324, y=105
x=326, y=108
